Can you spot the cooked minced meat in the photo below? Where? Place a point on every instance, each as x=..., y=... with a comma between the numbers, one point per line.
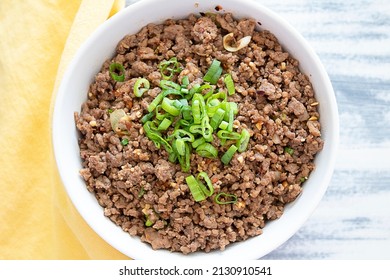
x=146, y=194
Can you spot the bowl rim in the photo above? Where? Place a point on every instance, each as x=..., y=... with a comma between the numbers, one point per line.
x=110, y=232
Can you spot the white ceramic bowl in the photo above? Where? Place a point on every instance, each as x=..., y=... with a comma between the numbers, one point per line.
x=101, y=45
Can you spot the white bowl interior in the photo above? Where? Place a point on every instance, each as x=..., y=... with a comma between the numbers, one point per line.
x=101, y=45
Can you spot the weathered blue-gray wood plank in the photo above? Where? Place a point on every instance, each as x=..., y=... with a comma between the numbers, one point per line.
x=352, y=38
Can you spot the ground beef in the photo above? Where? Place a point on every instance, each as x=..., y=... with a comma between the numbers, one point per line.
x=144, y=193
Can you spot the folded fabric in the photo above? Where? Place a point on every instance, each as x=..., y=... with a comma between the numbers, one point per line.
x=38, y=40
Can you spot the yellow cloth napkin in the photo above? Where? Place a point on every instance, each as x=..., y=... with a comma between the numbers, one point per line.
x=38, y=38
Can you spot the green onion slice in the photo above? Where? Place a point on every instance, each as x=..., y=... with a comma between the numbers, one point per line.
x=226, y=198
x=169, y=67
x=212, y=106
x=117, y=71
x=195, y=189
x=198, y=190
x=214, y=72
x=207, y=150
x=210, y=189
x=196, y=111
x=160, y=114
x=184, y=160
x=289, y=150
x=217, y=118
x=138, y=90
x=242, y=143
x=165, y=123
x=229, y=84
x=156, y=101
x=180, y=146
x=224, y=134
x=185, y=81
x=187, y=113
x=169, y=106
x=147, y=117
x=165, y=84
x=204, y=88
x=148, y=222
x=228, y=155
x=198, y=142
x=231, y=119
x=125, y=142
x=223, y=125
x=183, y=134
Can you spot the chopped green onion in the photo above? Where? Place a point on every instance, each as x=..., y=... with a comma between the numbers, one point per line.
x=184, y=124
x=185, y=160
x=186, y=113
x=227, y=157
x=148, y=222
x=196, y=111
x=196, y=128
x=155, y=102
x=231, y=119
x=195, y=89
x=223, y=125
x=185, y=81
x=195, y=189
x=207, y=150
x=180, y=146
x=217, y=118
x=213, y=73
x=210, y=189
x=168, y=106
x=165, y=123
x=234, y=107
x=141, y=192
x=242, y=143
x=198, y=190
x=229, y=84
x=183, y=117
x=147, y=117
x=219, y=95
x=227, y=198
x=160, y=116
x=205, y=87
x=289, y=150
x=117, y=72
x=184, y=102
x=224, y=134
x=207, y=130
x=212, y=106
x=125, y=142
x=156, y=137
x=172, y=157
x=182, y=134
x=198, y=142
x=164, y=84
x=168, y=68
x=138, y=90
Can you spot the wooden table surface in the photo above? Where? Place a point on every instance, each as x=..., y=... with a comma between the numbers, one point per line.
x=352, y=39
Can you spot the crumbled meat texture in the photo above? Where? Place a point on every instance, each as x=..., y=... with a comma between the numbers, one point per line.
x=136, y=182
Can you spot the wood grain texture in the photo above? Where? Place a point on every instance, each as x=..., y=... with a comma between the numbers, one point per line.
x=352, y=39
